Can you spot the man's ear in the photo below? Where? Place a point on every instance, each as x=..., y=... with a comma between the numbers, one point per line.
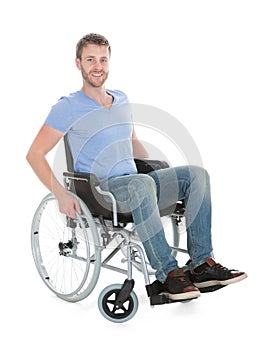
x=78, y=64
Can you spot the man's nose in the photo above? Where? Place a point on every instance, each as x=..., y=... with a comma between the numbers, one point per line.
x=98, y=65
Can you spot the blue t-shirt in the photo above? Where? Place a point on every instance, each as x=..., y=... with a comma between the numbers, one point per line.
x=100, y=139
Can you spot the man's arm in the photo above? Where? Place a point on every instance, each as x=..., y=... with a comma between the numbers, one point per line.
x=44, y=142
x=139, y=150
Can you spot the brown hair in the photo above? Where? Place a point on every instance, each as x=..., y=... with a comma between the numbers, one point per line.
x=91, y=38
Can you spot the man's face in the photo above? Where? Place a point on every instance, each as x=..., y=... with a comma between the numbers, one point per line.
x=94, y=64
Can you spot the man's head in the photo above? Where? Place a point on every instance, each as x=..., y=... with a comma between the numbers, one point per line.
x=92, y=38
x=92, y=59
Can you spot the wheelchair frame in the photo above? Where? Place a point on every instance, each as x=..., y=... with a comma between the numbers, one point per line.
x=77, y=245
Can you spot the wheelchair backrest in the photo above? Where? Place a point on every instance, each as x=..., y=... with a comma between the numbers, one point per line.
x=69, y=158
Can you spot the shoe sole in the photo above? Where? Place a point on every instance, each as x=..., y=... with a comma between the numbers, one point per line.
x=220, y=283
x=182, y=296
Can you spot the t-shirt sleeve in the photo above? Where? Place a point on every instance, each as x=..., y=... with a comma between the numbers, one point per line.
x=60, y=115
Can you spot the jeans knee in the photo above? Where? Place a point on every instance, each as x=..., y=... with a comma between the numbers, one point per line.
x=200, y=174
x=200, y=187
x=142, y=184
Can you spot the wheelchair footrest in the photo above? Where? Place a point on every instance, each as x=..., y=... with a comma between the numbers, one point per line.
x=156, y=296
x=158, y=299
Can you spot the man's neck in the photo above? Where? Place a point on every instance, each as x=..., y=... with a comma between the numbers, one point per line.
x=98, y=94
x=94, y=92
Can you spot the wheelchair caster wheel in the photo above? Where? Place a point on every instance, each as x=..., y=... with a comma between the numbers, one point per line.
x=112, y=309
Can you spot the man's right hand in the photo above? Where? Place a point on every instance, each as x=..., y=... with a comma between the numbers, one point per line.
x=68, y=205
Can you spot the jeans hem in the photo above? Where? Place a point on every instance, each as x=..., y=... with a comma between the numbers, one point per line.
x=191, y=266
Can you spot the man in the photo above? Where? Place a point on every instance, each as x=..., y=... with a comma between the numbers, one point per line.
x=88, y=116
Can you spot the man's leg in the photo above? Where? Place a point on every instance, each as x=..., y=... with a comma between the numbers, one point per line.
x=191, y=184
x=137, y=193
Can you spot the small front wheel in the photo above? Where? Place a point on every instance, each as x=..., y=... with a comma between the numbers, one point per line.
x=113, y=310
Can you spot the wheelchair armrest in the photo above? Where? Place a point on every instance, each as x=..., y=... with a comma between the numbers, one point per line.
x=143, y=166
x=82, y=177
x=86, y=186
x=147, y=165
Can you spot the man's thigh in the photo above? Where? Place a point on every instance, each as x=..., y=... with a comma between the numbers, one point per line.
x=171, y=184
x=123, y=187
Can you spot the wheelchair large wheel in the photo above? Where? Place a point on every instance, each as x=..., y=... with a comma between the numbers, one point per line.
x=113, y=311
x=66, y=252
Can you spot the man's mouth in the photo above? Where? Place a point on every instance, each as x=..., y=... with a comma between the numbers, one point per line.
x=97, y=75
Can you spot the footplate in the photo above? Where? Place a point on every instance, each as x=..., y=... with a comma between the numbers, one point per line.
x=156, y=296
x=159, y=299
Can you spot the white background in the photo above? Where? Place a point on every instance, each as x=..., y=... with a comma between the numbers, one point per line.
x=193, y=59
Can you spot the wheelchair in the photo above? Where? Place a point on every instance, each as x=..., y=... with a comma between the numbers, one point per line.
x=68, y=253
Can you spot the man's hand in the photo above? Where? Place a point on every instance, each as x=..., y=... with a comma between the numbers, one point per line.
x=68, y=205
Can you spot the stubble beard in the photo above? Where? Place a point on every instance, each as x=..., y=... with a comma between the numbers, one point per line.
x=87, y=79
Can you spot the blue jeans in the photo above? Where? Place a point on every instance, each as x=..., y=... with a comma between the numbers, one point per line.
x=144, y=195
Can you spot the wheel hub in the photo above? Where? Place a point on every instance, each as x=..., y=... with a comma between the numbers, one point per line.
x=65, y=248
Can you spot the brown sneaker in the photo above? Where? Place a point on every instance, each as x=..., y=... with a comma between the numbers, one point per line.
x=212, y=274
x=178, y=286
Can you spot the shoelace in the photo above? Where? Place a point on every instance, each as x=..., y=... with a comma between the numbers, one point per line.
x=222, y=271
